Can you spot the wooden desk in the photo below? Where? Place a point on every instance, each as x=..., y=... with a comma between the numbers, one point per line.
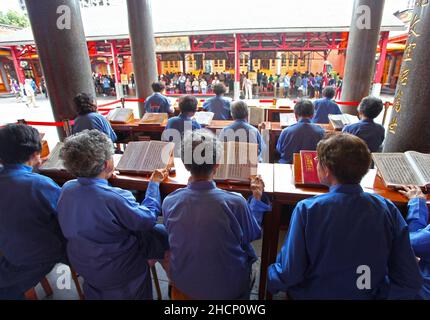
x=272, y=130
x=286, y=193
x=217, y=125
x=133, y=128
x=272, y=113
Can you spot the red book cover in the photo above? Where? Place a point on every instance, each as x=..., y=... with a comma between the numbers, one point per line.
x=309, y=167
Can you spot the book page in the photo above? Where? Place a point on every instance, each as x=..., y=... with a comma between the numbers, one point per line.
x=287, y=119
x=255, y=116
x=154, y=118
x=222, y=171
x=242, y=160
x=157, y=156
x=132, y=159
x=395, y=169
x=204, y=117
x=421, y=163
x=349, y=119
x=122, y=115
x=54, y=163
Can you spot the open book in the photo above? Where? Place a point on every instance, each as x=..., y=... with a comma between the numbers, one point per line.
x=143, y=157
x=120, y=115
x=397, y=169
x=338, y=121
x=238, y=163
x=287, y=119
x=256, y=115
x=154, y=118
x=204, y=117
x=53, y=163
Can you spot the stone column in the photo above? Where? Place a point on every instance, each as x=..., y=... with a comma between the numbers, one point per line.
x=360, y=55
x=142, y=47
x=409, y=126
x=63, y=53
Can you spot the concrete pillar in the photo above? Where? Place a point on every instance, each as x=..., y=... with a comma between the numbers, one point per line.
x=142, y=48
x=409, y=126
x=360, y=55
x=63, y=53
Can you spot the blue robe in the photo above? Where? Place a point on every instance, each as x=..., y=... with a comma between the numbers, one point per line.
x=220, y=106
x=94, y=120
x=31, y=241
x=303, y=135
x=110, y=237
x=419, y=233
x=252, y=134
x=210, y=234
x=332, y=235
x=372, y=133
x=324, y=107
x=157, y=103
x=179, y=124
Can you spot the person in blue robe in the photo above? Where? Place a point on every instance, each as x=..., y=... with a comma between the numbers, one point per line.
x=157, y=102
x=110, y=237
x=325, y=106
x=304, y=135
x=240, y=130
x=219, y=105
x=88, y=118
x=419, y=232
x=211, y=230
x=372, y=133
x=347, y=243
x=31, y=242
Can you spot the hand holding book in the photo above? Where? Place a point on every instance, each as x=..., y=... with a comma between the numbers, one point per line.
x=159, y=175
x=412, y=192
x=257, y=187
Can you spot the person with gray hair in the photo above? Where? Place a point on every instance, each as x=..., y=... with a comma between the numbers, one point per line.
x=110, y=236
x=366, y=129
x=240, y=130
x=211, y=230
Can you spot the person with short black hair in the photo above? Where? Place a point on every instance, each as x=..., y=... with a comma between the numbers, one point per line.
x=372, y=133
x=211, y=230
x=304, y=135
x=240, y=130
x=346, y=244
x=157, y=102
x=88, y=118
x=325, y=106
x=110, y=237
x=219, y=105
x=31, y=242
x=183, y=123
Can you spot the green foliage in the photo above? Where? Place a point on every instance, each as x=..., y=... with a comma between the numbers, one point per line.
x=14, y=18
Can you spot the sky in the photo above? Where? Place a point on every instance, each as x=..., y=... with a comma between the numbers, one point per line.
x=394, y=5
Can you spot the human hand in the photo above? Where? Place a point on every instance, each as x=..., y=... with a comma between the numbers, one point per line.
x=159, y=175
x=257, y=187
x=412, y=192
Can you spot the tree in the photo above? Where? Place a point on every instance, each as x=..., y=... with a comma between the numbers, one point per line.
x=14, y=18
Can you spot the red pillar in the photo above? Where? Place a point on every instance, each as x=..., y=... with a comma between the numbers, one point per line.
x=115, y=61
x=237, y=58
x=382, y=57
x=18, y=69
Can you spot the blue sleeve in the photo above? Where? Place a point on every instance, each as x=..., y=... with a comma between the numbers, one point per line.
x=419, y=230
x=109, y=131
x=403, y=272
x=347, y=129
x=138, y=217
x=336, y=109
x=292, y=262
x=280, y=145
x=48, y=192
x=206, y=105
x=100, y=123
x=196, y=125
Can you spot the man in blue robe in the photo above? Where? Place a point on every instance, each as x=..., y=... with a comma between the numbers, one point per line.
x=110, y=237
x=211, y=230
x=157, y=102
x=304, y=135
x=419, y=232
x=88, y=118
x=346, y=244
x=31, y=242
x=219, y=105
x=240, y=130
x=372, y=133
x=325, y=106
